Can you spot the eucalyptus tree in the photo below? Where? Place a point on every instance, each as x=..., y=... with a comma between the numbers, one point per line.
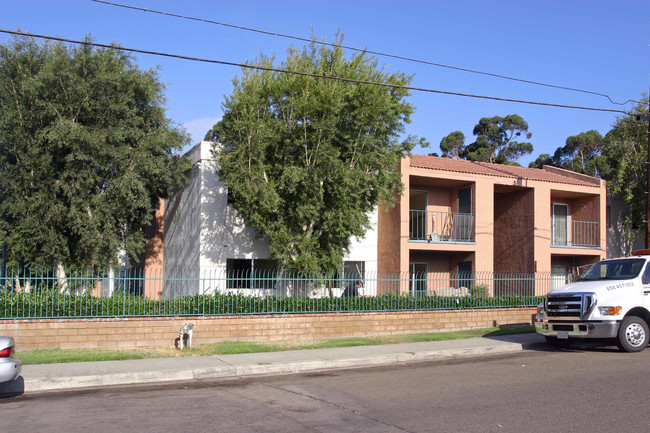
x=582, y=153
x=453, y=145
x=497, y=140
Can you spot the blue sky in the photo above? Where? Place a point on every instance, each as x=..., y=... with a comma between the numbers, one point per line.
x=599, y=46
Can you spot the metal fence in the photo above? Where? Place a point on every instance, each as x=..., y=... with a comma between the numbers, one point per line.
x=159, y=292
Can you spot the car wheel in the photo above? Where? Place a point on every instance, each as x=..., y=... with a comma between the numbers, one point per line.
x=633, y=334
x=558, y=343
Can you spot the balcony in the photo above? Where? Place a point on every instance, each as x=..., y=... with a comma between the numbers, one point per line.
x=580, y=234
x=431, y=226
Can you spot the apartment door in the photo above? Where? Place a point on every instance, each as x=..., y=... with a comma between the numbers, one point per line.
x=560, y=275
x=418, y=279
x=418, y=215
x=463, y=223
x=465, y=200
x=560, y=224
x=464, y=271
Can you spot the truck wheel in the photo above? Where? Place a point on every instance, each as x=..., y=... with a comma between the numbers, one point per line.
x=557, y=343
x=633, y=334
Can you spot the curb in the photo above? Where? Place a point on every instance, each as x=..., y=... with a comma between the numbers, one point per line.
x=76, y=376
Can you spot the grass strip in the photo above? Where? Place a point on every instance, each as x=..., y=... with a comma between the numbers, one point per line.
x=52, y=356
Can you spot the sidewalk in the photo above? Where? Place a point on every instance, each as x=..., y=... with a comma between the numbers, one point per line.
x=59, y=377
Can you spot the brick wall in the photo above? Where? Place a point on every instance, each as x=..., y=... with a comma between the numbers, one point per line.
x=162, y=332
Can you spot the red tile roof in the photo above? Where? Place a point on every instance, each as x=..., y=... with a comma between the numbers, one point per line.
x=545, y=174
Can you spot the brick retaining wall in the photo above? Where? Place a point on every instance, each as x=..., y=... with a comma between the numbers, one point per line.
x=163, y=331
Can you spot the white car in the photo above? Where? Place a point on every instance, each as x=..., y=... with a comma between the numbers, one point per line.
x=9, y=367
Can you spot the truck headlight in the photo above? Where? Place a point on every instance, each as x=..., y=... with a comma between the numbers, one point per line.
x=540, y=309
x=609, y=311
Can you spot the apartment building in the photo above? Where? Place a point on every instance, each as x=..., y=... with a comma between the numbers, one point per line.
x=455, y=217
x=464, y=217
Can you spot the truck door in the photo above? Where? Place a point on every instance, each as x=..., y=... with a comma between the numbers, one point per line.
x=645, y=280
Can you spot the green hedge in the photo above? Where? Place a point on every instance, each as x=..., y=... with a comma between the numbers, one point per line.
x=51, y=304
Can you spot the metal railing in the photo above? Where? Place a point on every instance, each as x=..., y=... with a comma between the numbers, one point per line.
x=433, y=226
x=136, y=292
x=566, y=233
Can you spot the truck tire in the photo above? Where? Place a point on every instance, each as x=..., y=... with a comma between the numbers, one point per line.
x=558, y=343
x=633, y=334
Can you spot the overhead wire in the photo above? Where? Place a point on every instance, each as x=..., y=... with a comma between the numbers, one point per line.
x=307, y=74
x=377, y=53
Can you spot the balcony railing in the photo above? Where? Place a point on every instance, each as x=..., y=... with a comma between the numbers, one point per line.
x=565, y=233
x=434, y=226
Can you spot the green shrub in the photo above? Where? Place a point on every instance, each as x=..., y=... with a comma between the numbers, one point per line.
x=50, y=303
x=481, y=291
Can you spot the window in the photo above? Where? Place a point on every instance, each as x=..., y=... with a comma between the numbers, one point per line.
x=351, y=271
x=251, y=273
x=238, y=273
x=265, y=272
x=354, y=270
x=622, y=269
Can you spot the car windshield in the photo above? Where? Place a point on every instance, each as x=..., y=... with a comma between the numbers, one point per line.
x=623, y=269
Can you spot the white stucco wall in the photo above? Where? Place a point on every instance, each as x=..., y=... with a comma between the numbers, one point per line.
x=181, y=231
x=223, y=232
x=201, y=230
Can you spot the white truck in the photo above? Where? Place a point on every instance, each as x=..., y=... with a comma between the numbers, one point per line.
x=609, y=301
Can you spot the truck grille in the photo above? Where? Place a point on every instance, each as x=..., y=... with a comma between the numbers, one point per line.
x=573, y=305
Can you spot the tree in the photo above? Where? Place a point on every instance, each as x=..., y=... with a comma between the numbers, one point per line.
x=307, y=159
x=625, y=147
x=453, y=144
x=85, y=153
x=582, y=153
x=495, y=140
x=542, y=159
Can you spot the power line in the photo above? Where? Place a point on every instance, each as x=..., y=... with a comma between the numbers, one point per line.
x=377, y=53
x=306, y=74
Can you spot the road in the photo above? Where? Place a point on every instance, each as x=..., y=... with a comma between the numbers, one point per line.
x=595, y=389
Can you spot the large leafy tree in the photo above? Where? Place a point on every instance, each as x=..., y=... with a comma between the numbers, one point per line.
x=307, y=159
x=85, y=153
x=626, y=150
x=496, y=140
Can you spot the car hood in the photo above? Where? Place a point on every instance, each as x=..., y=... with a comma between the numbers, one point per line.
x=587, y=286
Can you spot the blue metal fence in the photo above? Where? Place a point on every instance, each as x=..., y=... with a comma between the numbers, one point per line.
x=138, y=292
